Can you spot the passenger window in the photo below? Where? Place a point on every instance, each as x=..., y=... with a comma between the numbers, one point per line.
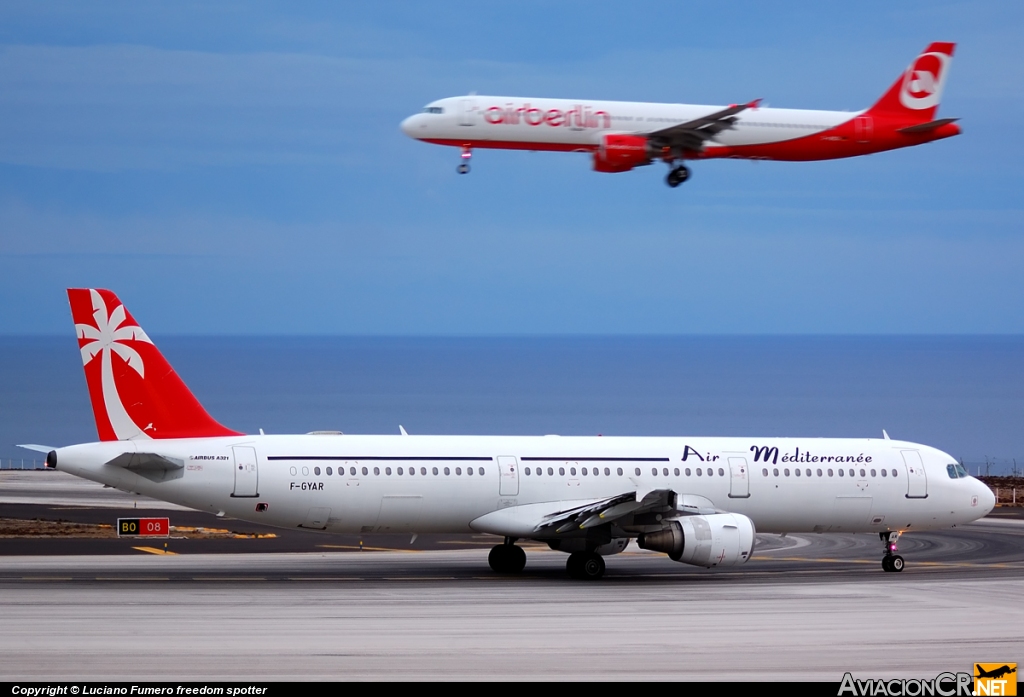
x=423, y=471
x=807, y=472
x=293, y=471
x=447, y=472
x=316, y=471
x=387, y=471
x=412, y=471
x=872, y=473
x=551, y=472
x=775, y=472
x=376, y=471
x=400, y=471
x=884, y=473
x=572, y=471
x=619, y=470
x=527, y=470
x=841, y=473
x=458, y=471
x=305, y=471
x=434, y=471
x=637, y=471
x=699, y=472
x=607, y=472
x=664, y=471
x=894, y=473
x=584, y=471
x=480, y=471
x=819, y=473
x=329, y=471
x=469, y=471
x=654, y=471
x=862, y=473
x=786, y=471
x=764, y=472
x=797, y=471
x=365, y=471
x=352, y=471
x=721, y=472
x=851, y=473
x=561, y=471
x=830, y=472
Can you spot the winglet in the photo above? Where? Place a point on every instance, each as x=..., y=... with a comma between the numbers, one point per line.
x=755, y=104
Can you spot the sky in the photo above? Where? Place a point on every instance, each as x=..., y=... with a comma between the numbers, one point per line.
x=237, y=168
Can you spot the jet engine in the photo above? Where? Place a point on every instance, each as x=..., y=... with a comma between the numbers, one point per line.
x=620, y=153
x=718, y=539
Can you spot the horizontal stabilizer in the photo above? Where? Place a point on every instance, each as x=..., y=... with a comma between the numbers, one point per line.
x=37, y=448
x=925, y=127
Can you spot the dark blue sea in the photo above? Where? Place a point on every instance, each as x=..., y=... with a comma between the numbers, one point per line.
x=964, y=395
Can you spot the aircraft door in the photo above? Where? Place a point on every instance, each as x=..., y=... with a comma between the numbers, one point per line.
x=739, y=478
x=863, y=127
x=509, y=469
x=246, y=472
x=917, y=478
x=467, y=112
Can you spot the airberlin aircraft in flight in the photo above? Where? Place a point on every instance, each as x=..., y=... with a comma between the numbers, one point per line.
x=624, y=135
x=697, y=500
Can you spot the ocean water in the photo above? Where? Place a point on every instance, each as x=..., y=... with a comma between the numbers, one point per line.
x=964, y=395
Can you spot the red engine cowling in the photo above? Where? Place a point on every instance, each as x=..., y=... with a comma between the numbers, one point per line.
x=621, y=153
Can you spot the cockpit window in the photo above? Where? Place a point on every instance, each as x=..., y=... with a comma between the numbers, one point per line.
x=433, y=110
x=956, y=471
x=951, y=471
x=961, y=471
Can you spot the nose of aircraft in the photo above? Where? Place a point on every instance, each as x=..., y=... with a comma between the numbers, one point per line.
x=409, y=125
x=986, y=498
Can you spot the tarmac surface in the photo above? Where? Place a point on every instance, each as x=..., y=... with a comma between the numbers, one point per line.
x=307, y=606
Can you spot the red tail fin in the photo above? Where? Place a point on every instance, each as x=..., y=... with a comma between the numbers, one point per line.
x=134, y=391
x=915, y=96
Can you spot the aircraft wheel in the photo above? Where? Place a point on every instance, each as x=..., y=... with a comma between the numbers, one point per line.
x=585, y=565
x=886, y=563
x=678, y=175
x=507, y=559
x=896, y=563
x=463, y=168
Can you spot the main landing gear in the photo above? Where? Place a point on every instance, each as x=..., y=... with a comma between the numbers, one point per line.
x=891, y=562
x=507, y=558
x=586, y=566
x=467, y=153
x=677, y=175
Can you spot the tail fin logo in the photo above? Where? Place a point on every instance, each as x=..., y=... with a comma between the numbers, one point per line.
x=923, y=81
x=108, y=334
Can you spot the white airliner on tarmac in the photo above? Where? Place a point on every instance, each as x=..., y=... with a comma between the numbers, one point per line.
x=624, y=135
x=698, y=500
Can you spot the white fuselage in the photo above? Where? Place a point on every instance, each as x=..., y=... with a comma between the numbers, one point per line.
x=344, y=483
x=567, y=124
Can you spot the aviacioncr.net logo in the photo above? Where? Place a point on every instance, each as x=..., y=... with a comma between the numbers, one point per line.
x=923, y=81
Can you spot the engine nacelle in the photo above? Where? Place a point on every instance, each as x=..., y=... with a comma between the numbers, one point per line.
x=719, y=539
x=620, y=153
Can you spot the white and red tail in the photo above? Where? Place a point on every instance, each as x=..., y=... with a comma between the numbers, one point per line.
x=134, y=391
x=915, y=95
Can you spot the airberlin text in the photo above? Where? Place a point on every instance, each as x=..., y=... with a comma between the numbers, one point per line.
x=771, y=454
x=578, y=117
x=943, y=685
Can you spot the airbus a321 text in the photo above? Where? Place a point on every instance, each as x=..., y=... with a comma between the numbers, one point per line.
x=697, y=500
x=624, y=135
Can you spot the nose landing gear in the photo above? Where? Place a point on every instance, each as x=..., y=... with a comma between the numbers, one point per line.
x=891, y=561
x=677, y=175
x=507, y=558
x=467, y=153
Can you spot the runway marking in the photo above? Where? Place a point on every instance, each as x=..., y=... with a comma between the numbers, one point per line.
x=131, y=578
x=323, y=578
x=45, y=578
x=372, y=549
x=154, y=550
x=228, y=578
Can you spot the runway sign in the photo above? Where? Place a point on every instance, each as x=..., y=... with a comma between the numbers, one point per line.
x=143, y=527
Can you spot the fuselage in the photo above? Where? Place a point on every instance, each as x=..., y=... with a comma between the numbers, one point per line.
x=572, y=125
x=345, y=483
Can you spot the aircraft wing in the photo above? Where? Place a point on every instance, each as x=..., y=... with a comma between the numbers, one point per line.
x=692, y=135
